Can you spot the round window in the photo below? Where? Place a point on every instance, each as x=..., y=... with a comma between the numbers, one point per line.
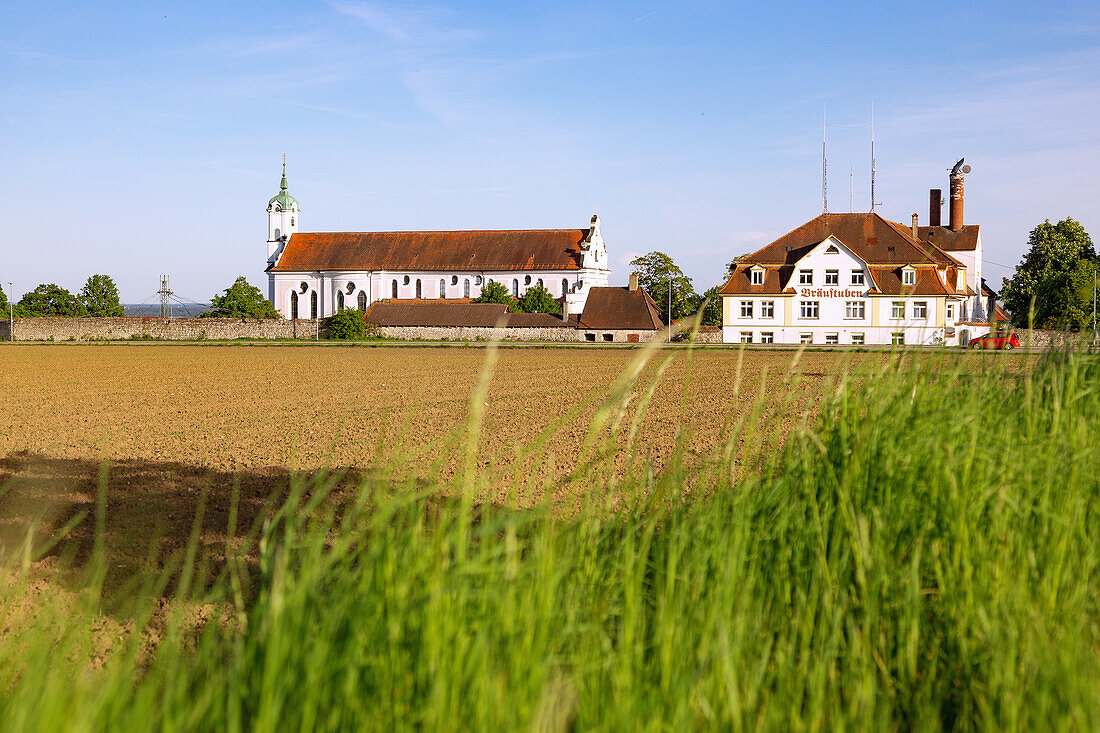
x=406, y=279
x=304, y=287
x=351, y=288
x=454, y=279
x=527, y=280
x=477, y=280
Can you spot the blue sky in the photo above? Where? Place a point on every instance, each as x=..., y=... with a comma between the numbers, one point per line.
x=145, y=138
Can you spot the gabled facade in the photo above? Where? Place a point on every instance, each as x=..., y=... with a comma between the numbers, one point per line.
x=314, y=274
x=848, y=279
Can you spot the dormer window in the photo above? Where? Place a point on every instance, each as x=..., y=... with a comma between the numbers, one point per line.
x=756, y=276
x=908, y=277
x=832, y=250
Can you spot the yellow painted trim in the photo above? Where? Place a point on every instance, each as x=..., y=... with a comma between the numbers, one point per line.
x=788, y=310
x=726, y=320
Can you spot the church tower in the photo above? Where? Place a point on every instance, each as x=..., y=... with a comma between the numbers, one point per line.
x=282, y=219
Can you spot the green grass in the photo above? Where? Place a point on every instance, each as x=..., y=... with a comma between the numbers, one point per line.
x=921, y=555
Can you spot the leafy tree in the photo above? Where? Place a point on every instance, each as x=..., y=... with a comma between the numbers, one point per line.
x=712, y=308
x=655, y=271
x=348, y=323
x=495, y=292
x=734, y=263
x=241, y=300
x=49, y=300
x=100, y=296
x=1050, y=273
x=3, y=304
x=538, y=299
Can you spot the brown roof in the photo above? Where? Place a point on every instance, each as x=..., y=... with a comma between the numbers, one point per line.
x=455, y=314
x=875, y=240
x=521, y=249
x=884, y=245
x=620, y=309
x=964, y=240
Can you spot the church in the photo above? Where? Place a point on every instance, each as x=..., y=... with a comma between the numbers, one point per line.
x=314, y=274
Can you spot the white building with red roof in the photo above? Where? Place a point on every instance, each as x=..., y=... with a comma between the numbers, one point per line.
x=314, y=274
x=862, y=279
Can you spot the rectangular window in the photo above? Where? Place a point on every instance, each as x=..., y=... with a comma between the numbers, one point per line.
x=897, y=309
x=757, y=277
x=908, y=277
x=832, y=277
x=767, y=337
x=897, y=338
x=920, y=309
x=767, y=309
x=805, y=277
x=832, y=338
x=746, y=337
x=857, y=338
x=746, y=309
x=809, y=309
x=855, y=310
x=805, y=338
x=857, y=277
x=950, y=311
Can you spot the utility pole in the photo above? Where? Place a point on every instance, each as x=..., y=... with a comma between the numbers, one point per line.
x=670, y=305
x=11, y=311
x=165, y=294
x=1093, y=304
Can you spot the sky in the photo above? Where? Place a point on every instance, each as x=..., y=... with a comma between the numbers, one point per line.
x=145, y=138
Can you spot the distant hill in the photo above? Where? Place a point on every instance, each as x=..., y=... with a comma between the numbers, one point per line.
x=176, y=310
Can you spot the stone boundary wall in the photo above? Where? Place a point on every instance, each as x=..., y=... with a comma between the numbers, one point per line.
x=174, y=329
x=489, y=333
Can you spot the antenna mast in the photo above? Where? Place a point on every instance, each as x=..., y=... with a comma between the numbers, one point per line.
x=824, y=160
x=851, y=189
x=873, y=202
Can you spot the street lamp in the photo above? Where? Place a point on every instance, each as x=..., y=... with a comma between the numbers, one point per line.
x=11, y=312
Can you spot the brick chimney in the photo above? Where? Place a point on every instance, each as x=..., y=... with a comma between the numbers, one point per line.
x=935, y=196
x=565, y=308
x=633, y=282
x=956, y=178
x=915, y=228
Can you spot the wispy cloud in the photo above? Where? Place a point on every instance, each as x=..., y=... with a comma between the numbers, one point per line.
x=407, y=23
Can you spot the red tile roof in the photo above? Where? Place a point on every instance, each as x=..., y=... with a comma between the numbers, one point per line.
x=615, y=308
x=964, y=240
x=520, y=249
x=884, y=245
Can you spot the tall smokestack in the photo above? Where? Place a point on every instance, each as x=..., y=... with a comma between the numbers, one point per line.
x=935, y=196
x=956, y=179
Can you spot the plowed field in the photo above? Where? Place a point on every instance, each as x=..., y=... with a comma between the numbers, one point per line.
x=171, y=421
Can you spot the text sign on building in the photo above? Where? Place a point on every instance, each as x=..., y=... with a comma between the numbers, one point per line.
x=830, y=293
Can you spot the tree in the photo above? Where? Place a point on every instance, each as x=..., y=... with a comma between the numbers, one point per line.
x=1050, y=273
x=495, y=292
x=538, y=299
x=241, y=300
x=348, y=323
x=655, y=271
x=712, y=308
x=3, y=304
x=100, y=297
x=49, y=300
x=734, y=263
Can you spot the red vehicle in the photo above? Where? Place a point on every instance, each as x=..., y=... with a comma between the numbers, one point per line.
x=1006, y=340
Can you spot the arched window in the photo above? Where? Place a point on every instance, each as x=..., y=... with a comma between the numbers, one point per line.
x=540, y=283
x=466, y=288
x=442, y=288
x=313, y=305
x=419, y=293
x=339, y=300
x=276, y=235
x=293, y=305
x=362, y=300
x=564, y=286
x=394, y=288
x=515, y=288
